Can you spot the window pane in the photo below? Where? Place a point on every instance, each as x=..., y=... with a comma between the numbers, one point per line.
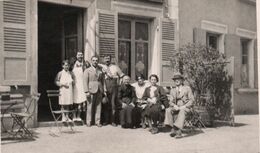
x=124, y=29
x=213, y=41
x=141, y=31
x=141, y=58
x=124, y=55
x=244, y=66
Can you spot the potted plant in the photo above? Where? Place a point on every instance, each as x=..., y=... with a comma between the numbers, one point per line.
x=205, y=71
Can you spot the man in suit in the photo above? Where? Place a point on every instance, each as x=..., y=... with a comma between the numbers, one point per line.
x=181, y=100
x=93, y=86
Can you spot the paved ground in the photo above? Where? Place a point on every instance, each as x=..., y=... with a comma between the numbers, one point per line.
x=244, y=138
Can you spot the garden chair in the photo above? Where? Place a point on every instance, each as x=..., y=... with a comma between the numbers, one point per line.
x=193, y=120
x=20, y=119
x=53, y=96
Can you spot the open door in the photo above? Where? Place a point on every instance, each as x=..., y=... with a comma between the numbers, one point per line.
x=60, y=36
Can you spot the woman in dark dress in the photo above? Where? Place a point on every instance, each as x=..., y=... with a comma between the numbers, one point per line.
x=157, y=101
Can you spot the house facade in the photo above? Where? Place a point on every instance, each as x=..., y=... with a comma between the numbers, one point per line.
x=140, y=35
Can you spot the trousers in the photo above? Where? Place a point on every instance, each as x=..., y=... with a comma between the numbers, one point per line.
x=94, y=108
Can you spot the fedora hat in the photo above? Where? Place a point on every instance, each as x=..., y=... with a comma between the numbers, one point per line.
x=177, y=76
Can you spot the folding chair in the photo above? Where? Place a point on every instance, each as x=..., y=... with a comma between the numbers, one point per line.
x=53, y=96
x=193, y=120
x=21, y=119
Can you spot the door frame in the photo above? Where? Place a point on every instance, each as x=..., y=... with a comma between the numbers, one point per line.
x=34, y=38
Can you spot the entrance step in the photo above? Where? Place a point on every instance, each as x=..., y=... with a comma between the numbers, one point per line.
x=52, y=123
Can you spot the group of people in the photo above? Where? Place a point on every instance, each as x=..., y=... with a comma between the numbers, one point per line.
x=107, y=94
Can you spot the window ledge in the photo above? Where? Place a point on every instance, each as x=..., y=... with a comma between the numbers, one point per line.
x=247, y=90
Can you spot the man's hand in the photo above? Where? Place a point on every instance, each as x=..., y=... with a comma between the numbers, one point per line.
x=124, y=105
x=87, y=94
x=132, y=104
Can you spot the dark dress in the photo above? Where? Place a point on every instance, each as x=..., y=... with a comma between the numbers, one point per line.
x=154, y=111
x=126, y=95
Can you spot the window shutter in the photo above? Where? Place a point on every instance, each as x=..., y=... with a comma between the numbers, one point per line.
x=199, y=36
x=233, y=48
x=255, y=63
x=107, y=30
x=169, y=46
x=15, y=42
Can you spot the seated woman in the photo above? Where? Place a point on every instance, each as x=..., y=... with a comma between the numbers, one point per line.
x=127, y=98
x=140, y=87
x=156, y=102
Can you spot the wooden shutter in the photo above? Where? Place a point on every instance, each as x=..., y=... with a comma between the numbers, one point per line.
x=168, y=49
x=107, y=30
x=14, y=42
x=255, y=64
x=233, y=48
x=199, y=36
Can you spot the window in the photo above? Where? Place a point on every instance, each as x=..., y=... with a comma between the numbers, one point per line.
x=245, y=63
x=133, y=46
x=213, y=40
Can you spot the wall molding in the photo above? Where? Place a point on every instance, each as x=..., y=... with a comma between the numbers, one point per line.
x=214, y=27
x=245, y=33
x=135, y=9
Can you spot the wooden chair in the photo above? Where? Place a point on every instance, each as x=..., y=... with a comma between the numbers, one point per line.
x=53, y=96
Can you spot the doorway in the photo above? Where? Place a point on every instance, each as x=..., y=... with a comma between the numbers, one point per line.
x=60, y=36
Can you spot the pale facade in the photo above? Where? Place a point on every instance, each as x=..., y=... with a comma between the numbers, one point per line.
x=140, y=35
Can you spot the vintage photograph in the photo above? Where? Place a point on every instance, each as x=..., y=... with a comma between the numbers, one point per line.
x=129, y=76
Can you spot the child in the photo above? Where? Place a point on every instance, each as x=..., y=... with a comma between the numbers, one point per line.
x=64, y=80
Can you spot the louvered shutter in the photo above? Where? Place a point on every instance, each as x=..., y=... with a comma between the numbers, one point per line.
x=107, y=30
x=232, y=48
x=168, y=49
x=14, y=42
x=199, y=36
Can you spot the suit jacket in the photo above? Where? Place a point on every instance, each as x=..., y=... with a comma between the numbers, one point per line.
x=159, y=93
x=93, y=80
x=181, y=96
x=126, y=94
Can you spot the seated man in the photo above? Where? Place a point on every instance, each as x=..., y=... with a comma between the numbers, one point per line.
x=127, y=98
x=181, y=100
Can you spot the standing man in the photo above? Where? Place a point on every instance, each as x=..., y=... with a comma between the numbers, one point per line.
x=93, y=86
x=79, y=96
x=181, y=100
x=113, y=74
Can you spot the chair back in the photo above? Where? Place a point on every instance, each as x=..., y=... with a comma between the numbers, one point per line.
x=52, y=95
x=31, y=103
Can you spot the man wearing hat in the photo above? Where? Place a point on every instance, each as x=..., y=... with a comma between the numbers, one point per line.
x=181, y=100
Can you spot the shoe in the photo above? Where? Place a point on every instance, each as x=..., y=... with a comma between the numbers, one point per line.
x=178, y=134
x=88, y=124
x=63, y=120
x=114, y=124
x=173, y=133
x=69, y=120
x=154, y=131
x=79, y=119
x=74, y=119
x=99, y=125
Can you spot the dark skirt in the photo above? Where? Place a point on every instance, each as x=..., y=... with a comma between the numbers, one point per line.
x=153, y=112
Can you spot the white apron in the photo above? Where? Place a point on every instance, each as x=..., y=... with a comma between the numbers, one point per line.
x=79, y=94
x=66, y=97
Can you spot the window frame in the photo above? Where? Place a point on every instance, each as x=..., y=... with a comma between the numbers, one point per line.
x=133, y=20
